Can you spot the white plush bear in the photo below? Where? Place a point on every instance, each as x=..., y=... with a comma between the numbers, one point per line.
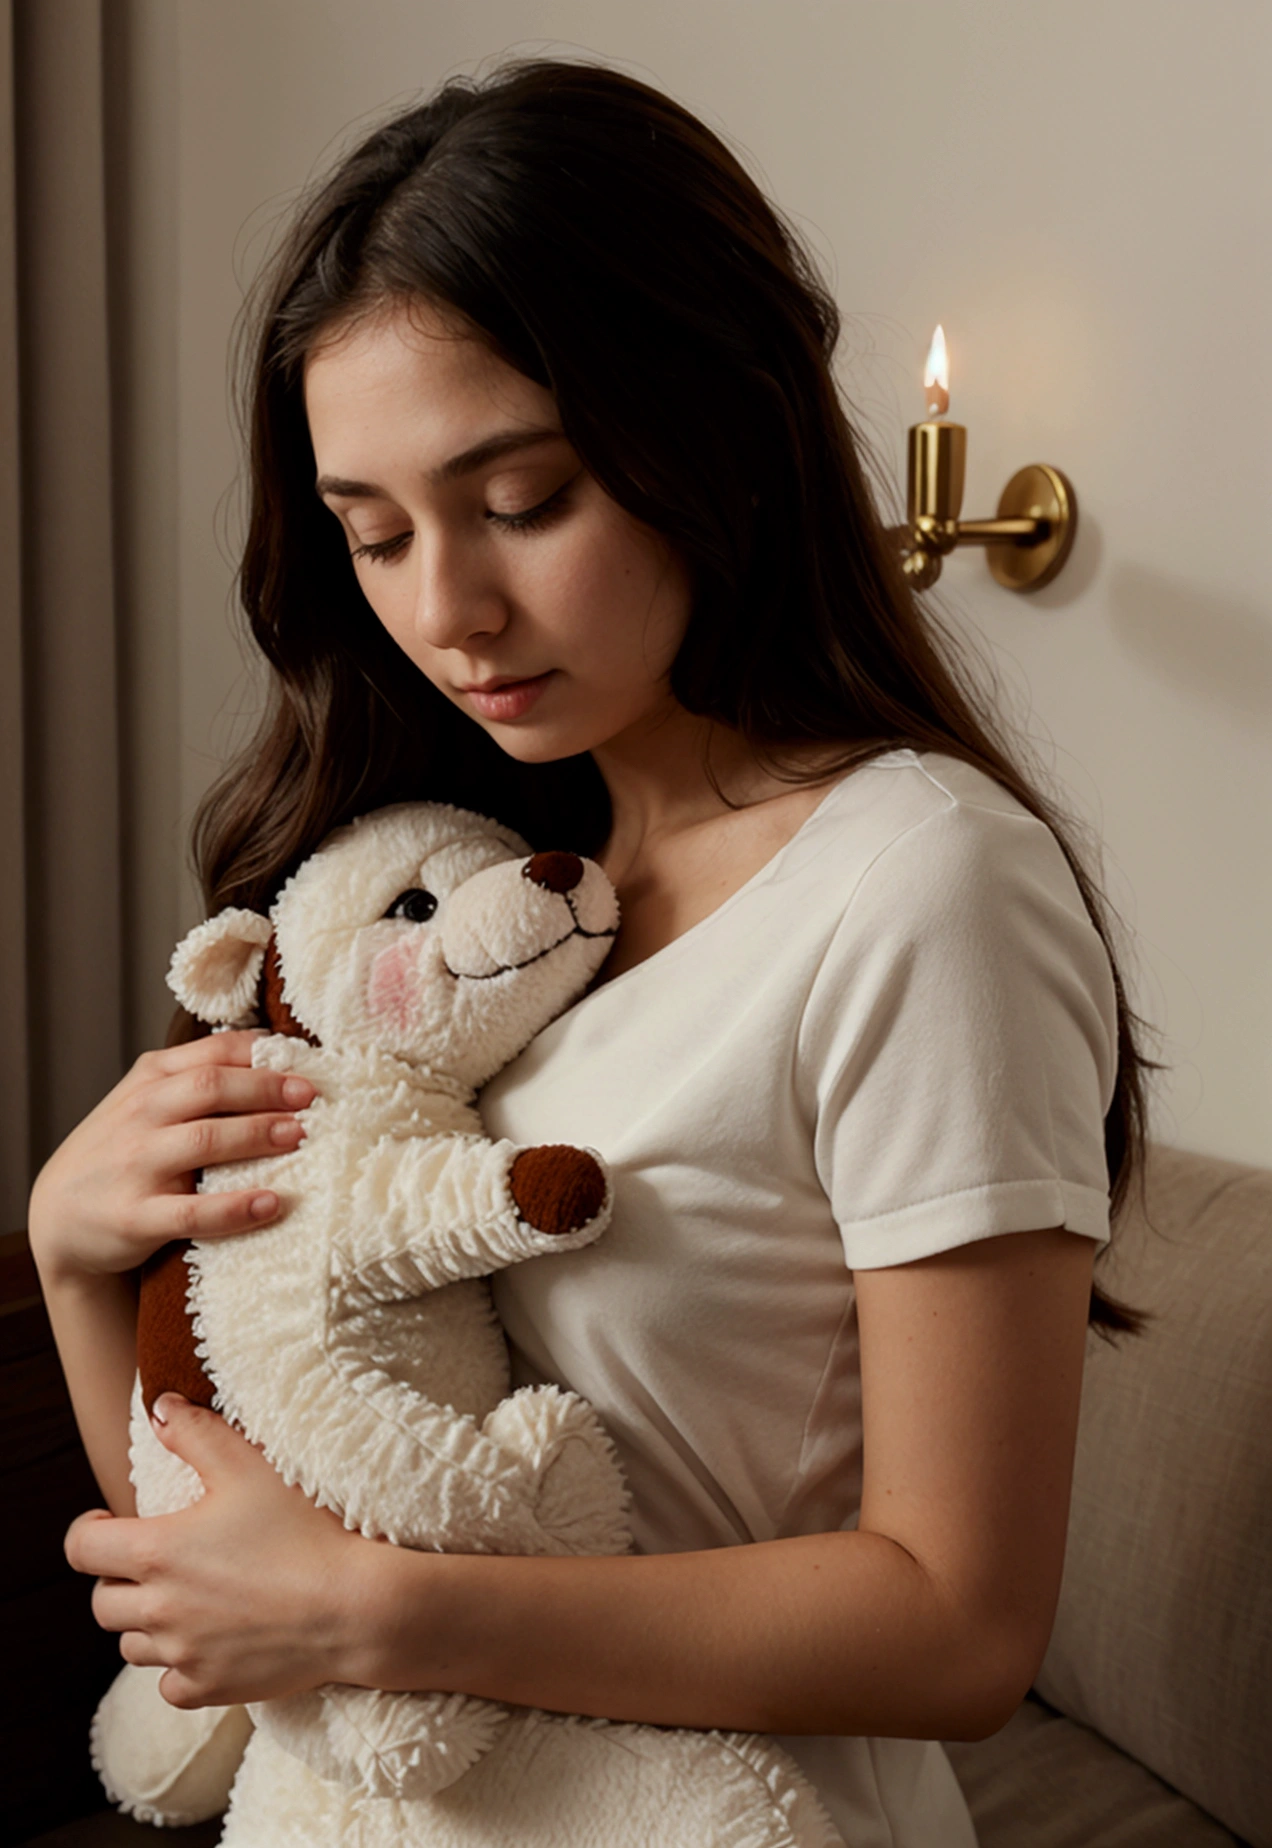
x=414, y=954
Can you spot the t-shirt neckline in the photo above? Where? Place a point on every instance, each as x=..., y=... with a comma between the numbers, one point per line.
x=759, y=877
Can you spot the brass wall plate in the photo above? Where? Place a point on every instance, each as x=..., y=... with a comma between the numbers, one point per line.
x=1038, y=492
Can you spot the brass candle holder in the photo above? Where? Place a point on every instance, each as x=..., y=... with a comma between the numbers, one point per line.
x=1030, y=537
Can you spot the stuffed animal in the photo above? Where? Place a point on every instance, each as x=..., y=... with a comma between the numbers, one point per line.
x=353, y=1339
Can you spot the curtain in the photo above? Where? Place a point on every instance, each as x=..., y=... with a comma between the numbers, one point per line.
x=62, y=973
x=15, y=1119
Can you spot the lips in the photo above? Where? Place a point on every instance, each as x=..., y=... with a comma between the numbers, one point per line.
x=504, y=697
x=497, y=681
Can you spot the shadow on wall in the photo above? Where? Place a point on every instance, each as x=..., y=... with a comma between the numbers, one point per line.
x=1194, y=641
x=1080, y=572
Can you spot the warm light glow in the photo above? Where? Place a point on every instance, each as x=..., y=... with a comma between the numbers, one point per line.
x=936, y=375
x=937, y=370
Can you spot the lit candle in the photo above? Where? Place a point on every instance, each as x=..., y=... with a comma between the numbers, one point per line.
x=936, y=375
x=938, y=456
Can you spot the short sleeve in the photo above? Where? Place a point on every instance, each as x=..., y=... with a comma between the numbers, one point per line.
x=959, y=1042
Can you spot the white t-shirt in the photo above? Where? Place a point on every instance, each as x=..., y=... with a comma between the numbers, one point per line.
x=898, y=1036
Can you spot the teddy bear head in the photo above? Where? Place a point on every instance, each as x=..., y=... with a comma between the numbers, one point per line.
x=420, y=930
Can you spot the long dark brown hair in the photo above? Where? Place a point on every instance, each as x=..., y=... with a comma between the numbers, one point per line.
x=608, y=246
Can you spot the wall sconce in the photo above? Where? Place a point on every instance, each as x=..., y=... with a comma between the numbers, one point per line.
x=1032, y=534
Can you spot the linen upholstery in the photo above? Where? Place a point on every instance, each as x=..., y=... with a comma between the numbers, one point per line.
x=1163, y=1641
x=1045, y=1782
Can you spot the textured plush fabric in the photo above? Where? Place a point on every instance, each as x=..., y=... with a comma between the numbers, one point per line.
x=352, y=1340
x=216, y=968
x=175, y=1766
x=575, y=1782
x=1163, y=1642
x=1044, y=1782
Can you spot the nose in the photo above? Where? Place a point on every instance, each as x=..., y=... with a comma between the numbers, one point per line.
x=555, y=872
x=454, y=598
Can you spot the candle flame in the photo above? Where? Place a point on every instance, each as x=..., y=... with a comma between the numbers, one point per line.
x=936, y=374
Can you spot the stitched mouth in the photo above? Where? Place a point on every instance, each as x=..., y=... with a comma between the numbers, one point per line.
x=510, y=968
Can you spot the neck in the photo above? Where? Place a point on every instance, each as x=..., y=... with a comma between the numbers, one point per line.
x=671, y=773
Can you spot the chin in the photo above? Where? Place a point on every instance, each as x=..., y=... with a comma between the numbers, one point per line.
x=551, y=739
x=548, y=739
x=542, y=747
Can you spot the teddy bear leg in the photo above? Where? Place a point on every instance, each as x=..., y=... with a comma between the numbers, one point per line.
x=278, y=1802
x=383, y=1745
x=163, y=1764
x=579, y=1497
x=156, y=1762
x=558, y=1782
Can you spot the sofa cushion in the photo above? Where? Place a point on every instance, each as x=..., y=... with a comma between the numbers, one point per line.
x=1045, y=1782
x=1163, y=1641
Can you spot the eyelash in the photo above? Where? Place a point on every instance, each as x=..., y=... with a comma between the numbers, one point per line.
x=379, y=551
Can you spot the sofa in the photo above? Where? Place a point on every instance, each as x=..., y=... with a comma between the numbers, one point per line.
x=1151, y=1722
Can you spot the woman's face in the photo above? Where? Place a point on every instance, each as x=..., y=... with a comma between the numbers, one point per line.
x=499, y=566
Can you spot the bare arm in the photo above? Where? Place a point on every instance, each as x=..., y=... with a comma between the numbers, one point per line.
x=929, y=1621
x=94, y=1322
x=122, y=1185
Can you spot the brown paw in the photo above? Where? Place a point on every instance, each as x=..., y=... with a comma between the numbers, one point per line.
x=557, y=1189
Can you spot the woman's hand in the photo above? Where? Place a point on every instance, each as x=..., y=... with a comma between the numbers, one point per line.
x=123, y=1183
x=251, y=1593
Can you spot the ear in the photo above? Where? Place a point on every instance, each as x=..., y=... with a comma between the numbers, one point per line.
x=216, y=967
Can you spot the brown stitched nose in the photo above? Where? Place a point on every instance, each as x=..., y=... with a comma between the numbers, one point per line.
x=555, y=872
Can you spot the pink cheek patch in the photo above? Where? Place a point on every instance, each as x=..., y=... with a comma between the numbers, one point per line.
x=393, y=990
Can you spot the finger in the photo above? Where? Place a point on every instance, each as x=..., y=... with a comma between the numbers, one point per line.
x=223, y=1090
x=232, y=1048
x=207, y=1215
x=137, y=1647
x=117, y=1605
x=201, y=1438
x=180, y=1150
x=105, y=1545
x=81, y=1523
x=213, y=1049
x=178, y=1690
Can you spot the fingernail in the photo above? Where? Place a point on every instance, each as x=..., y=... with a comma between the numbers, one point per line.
x=264, y=1206
x=163, y=1406
x=284, y=1133
x=297, y=1091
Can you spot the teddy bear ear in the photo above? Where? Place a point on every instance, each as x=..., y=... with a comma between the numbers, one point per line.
x=216, y=967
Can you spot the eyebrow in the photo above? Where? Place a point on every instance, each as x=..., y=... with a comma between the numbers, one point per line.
x=490, y=449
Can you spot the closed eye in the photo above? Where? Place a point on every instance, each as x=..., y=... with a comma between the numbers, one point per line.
x=380, y=550
x=531, y=518
x=528, y=520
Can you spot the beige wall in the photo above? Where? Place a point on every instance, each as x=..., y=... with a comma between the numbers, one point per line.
x=1081, y=195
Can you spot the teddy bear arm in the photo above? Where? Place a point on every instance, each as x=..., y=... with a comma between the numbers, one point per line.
x=425, y=1213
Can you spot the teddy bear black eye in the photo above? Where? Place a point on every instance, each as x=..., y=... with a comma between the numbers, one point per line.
x=415, y=905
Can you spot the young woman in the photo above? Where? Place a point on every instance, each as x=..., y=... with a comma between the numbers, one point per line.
x=556, y=515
